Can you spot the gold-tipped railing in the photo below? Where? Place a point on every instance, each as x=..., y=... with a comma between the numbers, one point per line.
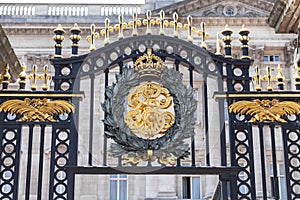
x=35, y=79
x=190, y=32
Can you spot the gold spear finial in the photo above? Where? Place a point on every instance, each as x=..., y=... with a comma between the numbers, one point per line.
x=279, y=77
x=91, y=38
x=269, y=78
x=46, y=77
x=176, y=25
x=148, y=22
x=296, y=77
x=119, y=27
x=191, y=29
x=218, y=45
x=22, y=76
x=135, y=23
x=6, y=76
x=204, y=36
x=105, y=32
x=257, y=78
x=162, y=22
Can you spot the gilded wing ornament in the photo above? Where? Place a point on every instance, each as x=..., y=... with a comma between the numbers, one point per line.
x=265, y=110
x=37, y=109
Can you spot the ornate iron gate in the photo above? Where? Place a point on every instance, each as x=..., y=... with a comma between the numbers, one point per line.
x=55, y=118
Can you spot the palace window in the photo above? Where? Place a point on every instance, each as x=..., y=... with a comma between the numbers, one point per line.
x=191, y=188
x=281, y=181
x=271, y=58
x=118, y=187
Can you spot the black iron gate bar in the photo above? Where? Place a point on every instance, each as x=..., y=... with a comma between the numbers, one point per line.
x=287, y=127
x=8, y=125
x=162, y=41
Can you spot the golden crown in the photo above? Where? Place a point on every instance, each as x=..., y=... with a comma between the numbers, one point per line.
x=149, y=64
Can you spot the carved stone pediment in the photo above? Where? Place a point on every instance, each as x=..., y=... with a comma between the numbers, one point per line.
x=217, y=8
x=230, y=9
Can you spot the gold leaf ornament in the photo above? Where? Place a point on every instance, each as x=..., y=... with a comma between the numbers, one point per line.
x=265, y=110
x=37, y=109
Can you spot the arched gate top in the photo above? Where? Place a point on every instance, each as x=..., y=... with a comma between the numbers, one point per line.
x=168, y=48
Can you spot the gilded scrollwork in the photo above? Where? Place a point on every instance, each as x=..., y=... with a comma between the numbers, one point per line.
x=37, y=109
x=265, y=110
x=149, y=115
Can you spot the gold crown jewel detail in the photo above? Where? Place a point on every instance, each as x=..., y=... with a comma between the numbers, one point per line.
x=149, y=64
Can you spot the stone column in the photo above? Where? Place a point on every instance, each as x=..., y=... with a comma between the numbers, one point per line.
x=167, y=187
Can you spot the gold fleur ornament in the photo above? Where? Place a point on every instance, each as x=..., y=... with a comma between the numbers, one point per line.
x=148, y=22
x=190, y=28
x=92, y=37
x=177, y=25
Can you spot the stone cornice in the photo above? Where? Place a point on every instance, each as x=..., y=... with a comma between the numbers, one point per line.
x=232, y=21
x=189, y=6
x=8, y=56
x=285, y=16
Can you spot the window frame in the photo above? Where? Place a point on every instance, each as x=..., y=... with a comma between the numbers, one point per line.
x=118, y=179
x=191, y=187
x=281, y=178
x=271, y=58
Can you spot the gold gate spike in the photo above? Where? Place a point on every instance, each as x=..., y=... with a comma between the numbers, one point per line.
x=265, y=110
x=280, y=77
x=105, y=32
x=269, y=78
x=177, y=25
x=296, y=77
x=6, y=76
x=204, y=36
x=134, y=24
x=46, y=77
x=191, y=29
x=22, y=77
x=34, y=77
x=37, y=109
x=162, y=22
x=91, y=38
x=120, y=27
x=257, y=78
x=148, y=22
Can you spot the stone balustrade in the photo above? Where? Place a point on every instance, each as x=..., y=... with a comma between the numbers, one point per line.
x=68, y=9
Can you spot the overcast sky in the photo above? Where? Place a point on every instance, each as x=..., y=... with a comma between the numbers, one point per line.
x=77, y=1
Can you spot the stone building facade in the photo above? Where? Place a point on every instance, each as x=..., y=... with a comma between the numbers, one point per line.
x=29, y=28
